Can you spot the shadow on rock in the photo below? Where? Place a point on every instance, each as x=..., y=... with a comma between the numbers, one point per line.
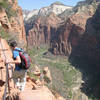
x=86, y=57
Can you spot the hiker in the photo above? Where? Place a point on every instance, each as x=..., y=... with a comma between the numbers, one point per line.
x=19, y=74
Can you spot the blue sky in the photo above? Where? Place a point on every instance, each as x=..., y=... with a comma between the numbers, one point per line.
x=37, y=4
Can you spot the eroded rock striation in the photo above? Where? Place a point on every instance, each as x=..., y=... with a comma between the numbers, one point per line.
x=74, y=33
x=11, y=19
x=61, y=32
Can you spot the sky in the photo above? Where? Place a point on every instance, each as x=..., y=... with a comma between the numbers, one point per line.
x=37, y=4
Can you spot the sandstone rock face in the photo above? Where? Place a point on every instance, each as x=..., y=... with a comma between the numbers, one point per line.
x=44, y=29
x=78, y=37
x=12, y=20
x=70, y=32
x=5, y=53
x=86, y=55
x=4, y=20
x=42, y=23
x=18, y=26
x=40, y=94
x=61, y=35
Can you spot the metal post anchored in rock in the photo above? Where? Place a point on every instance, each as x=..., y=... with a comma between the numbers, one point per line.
x=1, y=68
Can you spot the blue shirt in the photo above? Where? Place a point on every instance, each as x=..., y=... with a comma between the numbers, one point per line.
x=15, y=55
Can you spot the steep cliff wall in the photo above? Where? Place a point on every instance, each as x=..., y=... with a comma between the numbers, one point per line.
x=42, y=25
x=61, y=32
x=79, y=38
x=86, y=55
x=72, y=30
x=11, y=20
x=43, y=30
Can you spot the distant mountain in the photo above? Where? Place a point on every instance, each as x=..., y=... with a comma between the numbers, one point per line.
x=56, y=8
x=29, y=14
x=25, y=12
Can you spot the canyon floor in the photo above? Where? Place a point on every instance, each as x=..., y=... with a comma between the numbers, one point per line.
x=67, y=80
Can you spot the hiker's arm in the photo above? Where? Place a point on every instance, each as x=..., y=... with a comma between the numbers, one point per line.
x=17, y=61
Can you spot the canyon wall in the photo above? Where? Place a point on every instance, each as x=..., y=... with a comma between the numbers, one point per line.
x=11, y=20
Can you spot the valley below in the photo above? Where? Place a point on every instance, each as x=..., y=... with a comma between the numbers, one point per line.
x=68, y=80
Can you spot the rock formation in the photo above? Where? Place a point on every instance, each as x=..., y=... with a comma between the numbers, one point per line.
x=11, y=19
x=59, y=31
x=43, y=23
x=73, y=29
x=70, y=32
x=43, y=31
x=76, y=35
x=13, y=25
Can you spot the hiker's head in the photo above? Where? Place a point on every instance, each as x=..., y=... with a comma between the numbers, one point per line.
x=13, y=44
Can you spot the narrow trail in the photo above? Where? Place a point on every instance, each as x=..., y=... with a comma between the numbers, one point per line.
x=41, y=93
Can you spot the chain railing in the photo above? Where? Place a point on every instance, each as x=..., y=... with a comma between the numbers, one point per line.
x=7, y=83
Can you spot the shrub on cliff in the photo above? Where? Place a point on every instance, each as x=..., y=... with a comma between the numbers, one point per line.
x=10, y=12
x=8, y=8
x=3, y=3
x=7, y=35
x=3, y=34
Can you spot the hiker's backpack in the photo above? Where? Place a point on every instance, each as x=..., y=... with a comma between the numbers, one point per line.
x=25, y=59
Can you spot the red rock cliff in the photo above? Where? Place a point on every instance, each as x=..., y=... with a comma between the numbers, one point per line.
x=43, y=30
x=61, y=35
x=68, y=34
x=11, y=19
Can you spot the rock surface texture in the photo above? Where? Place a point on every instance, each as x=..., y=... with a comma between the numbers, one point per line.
x=63, y=31
x=74, y=33
x=11, y=19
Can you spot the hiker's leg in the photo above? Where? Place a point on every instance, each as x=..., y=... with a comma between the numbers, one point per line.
x=16, y=82
x=23, y=81
x=15, y=78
